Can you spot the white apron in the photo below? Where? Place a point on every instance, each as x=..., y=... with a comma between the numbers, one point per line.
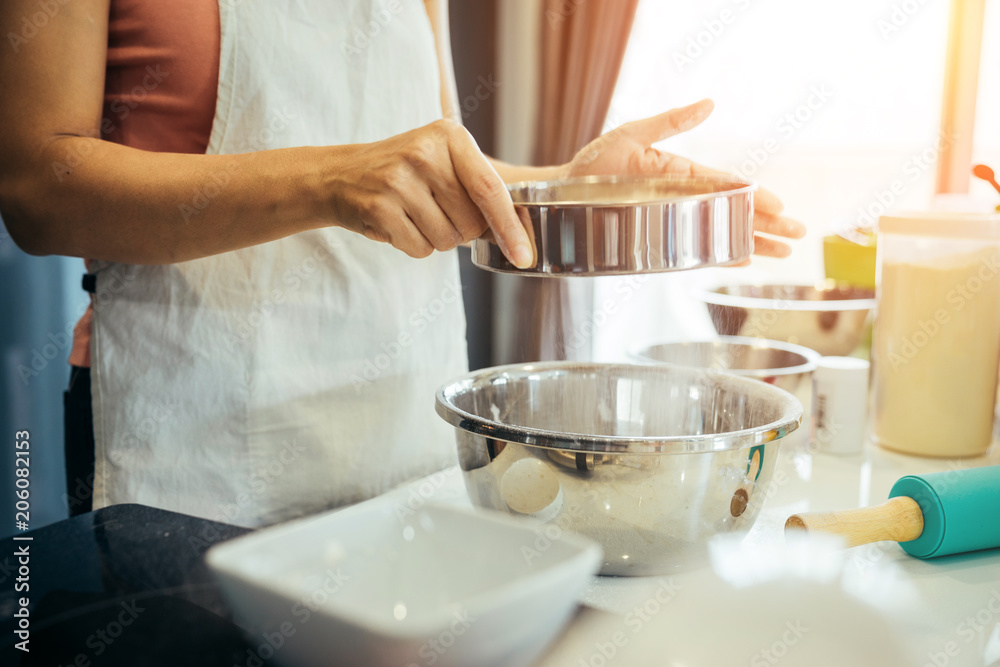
x=298, y=375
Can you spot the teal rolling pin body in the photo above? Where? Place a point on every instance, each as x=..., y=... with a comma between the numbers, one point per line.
x=961, y=510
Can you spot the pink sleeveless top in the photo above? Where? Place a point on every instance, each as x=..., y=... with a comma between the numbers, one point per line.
x=160, y=88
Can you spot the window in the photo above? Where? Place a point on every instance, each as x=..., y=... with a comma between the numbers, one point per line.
x=826, y=104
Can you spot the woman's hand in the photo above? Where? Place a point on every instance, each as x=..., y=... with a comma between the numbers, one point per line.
x=628, y=150
x=428, y=189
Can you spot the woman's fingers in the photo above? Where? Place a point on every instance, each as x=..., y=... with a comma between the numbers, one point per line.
x=489, y=193
x=461, y=212
x=657, y=128
x=525, y=218
x=764, y=200
x=768, y=247
x=431, y=189
x=778, y=225
x=432, y=222
x=404, y=234
x=767, y=206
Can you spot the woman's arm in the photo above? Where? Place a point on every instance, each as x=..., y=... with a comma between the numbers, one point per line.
x=65, y=191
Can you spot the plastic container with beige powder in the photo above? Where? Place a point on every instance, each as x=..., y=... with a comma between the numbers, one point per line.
x=936, y=346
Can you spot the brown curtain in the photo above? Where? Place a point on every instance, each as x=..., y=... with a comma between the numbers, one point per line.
x=583, y=45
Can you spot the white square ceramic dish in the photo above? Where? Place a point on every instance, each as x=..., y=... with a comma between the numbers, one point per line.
x=381, y=584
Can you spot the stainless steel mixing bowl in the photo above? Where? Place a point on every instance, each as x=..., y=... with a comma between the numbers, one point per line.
x=650, y=461
x=831, y=318
x=784, y=365
x=610, y=225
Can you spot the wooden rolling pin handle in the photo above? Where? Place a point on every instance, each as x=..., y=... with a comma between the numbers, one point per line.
x=899, y=519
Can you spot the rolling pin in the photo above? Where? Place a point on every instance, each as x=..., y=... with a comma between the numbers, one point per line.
x=932, y=515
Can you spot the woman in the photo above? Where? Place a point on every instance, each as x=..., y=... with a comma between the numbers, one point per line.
x=242, y=176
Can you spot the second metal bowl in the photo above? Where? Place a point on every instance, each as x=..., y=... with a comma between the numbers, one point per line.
x=649, y=461
x=611, y=225
x=830, y=317
x=784, y=365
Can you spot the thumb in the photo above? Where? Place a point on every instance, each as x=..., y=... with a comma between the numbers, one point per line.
x=657, y=128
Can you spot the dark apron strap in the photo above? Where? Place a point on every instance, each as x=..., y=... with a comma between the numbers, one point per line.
x=78, y=420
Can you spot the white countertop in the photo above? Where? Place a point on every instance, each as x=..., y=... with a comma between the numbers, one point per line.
x=946, y=609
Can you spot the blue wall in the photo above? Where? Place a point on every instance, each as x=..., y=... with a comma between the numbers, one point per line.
x=40, y=300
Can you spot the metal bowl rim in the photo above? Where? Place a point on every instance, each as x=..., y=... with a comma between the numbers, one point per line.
x=811, y=356
x=746, y=186
x=789, y=407
x=537, y=273
x=710, y=295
